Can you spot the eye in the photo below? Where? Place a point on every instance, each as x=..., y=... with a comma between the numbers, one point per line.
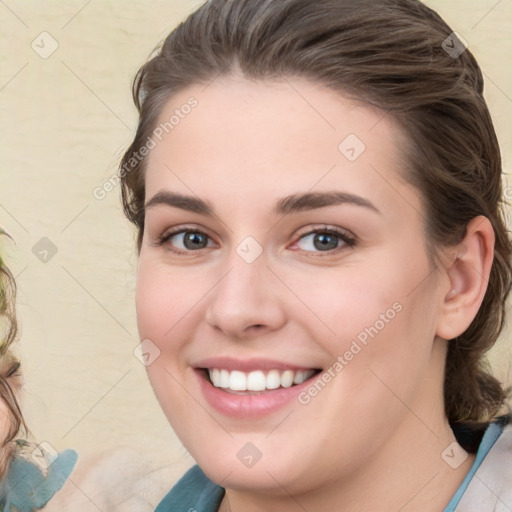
x=321, y=240
x=184, y=240
x=326, y=240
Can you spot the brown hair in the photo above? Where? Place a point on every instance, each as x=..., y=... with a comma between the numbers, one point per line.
x=10, y=377
x=389, y=53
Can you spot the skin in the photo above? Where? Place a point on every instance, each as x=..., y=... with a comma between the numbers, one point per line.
x=4, y=431
x=6, y=418
x=372, y=438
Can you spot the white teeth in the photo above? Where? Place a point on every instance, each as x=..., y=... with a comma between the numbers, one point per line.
x=273, y=379
x=257, y=380
x=237, y=381
x=224, y=379
x=215, y=376
x=301, y=376
x=287, y=378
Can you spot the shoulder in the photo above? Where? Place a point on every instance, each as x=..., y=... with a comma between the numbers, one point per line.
x=121, y=480
x=194, y=491
x=490, y=487
x=32, y=479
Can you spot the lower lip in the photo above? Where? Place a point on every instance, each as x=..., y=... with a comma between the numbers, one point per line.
x=249, y=406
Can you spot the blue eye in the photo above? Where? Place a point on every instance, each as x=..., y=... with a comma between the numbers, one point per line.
x=322, y=240
x=326, y=241
x=190, y=240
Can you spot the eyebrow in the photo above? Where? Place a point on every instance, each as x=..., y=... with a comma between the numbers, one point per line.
x=290, y=204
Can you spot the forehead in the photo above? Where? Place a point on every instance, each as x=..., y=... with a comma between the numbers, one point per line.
x=262, y=137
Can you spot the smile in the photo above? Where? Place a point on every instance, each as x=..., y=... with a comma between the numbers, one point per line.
x=251, y=389
x=258, y=380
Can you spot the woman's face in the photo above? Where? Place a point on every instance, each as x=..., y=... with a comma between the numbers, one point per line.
x=296, y=249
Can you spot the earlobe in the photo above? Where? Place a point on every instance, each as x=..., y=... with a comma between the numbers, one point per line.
x=468, y=276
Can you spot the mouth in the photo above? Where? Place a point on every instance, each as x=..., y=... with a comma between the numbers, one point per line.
x=256, y=382
x=251, y=388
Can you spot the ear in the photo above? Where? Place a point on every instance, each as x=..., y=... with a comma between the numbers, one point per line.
x=468, y=278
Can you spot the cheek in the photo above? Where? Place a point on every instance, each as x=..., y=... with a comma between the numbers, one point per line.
x=168, y=303
x=5, y=420
x=350, y=302
x=163, y=299
x=383, y=318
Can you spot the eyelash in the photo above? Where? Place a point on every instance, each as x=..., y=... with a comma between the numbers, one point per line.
x=345, y=238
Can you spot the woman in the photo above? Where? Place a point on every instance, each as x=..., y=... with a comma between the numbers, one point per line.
x=323, y=260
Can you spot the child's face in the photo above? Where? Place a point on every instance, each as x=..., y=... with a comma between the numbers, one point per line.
x=365, y=314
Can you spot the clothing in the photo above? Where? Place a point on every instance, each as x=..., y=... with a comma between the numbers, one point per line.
x=490, y=489
x=30, y=485
x=486, y=488
x=121, y=479
x=194, y=492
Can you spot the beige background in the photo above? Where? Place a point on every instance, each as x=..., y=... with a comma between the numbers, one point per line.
x=65, y=121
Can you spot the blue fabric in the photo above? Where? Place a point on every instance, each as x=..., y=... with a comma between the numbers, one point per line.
x=195, y=492
x=26, y=488
x=491, y=435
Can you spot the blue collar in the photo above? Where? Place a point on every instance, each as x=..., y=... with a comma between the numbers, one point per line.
x=26, y=488
x=491, y=435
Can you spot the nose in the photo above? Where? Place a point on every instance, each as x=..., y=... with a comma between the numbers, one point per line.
x=246, y=301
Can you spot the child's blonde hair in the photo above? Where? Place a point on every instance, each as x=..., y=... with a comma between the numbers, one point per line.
x=11, y=418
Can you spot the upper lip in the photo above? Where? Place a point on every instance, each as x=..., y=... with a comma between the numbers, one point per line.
x=248, y=365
